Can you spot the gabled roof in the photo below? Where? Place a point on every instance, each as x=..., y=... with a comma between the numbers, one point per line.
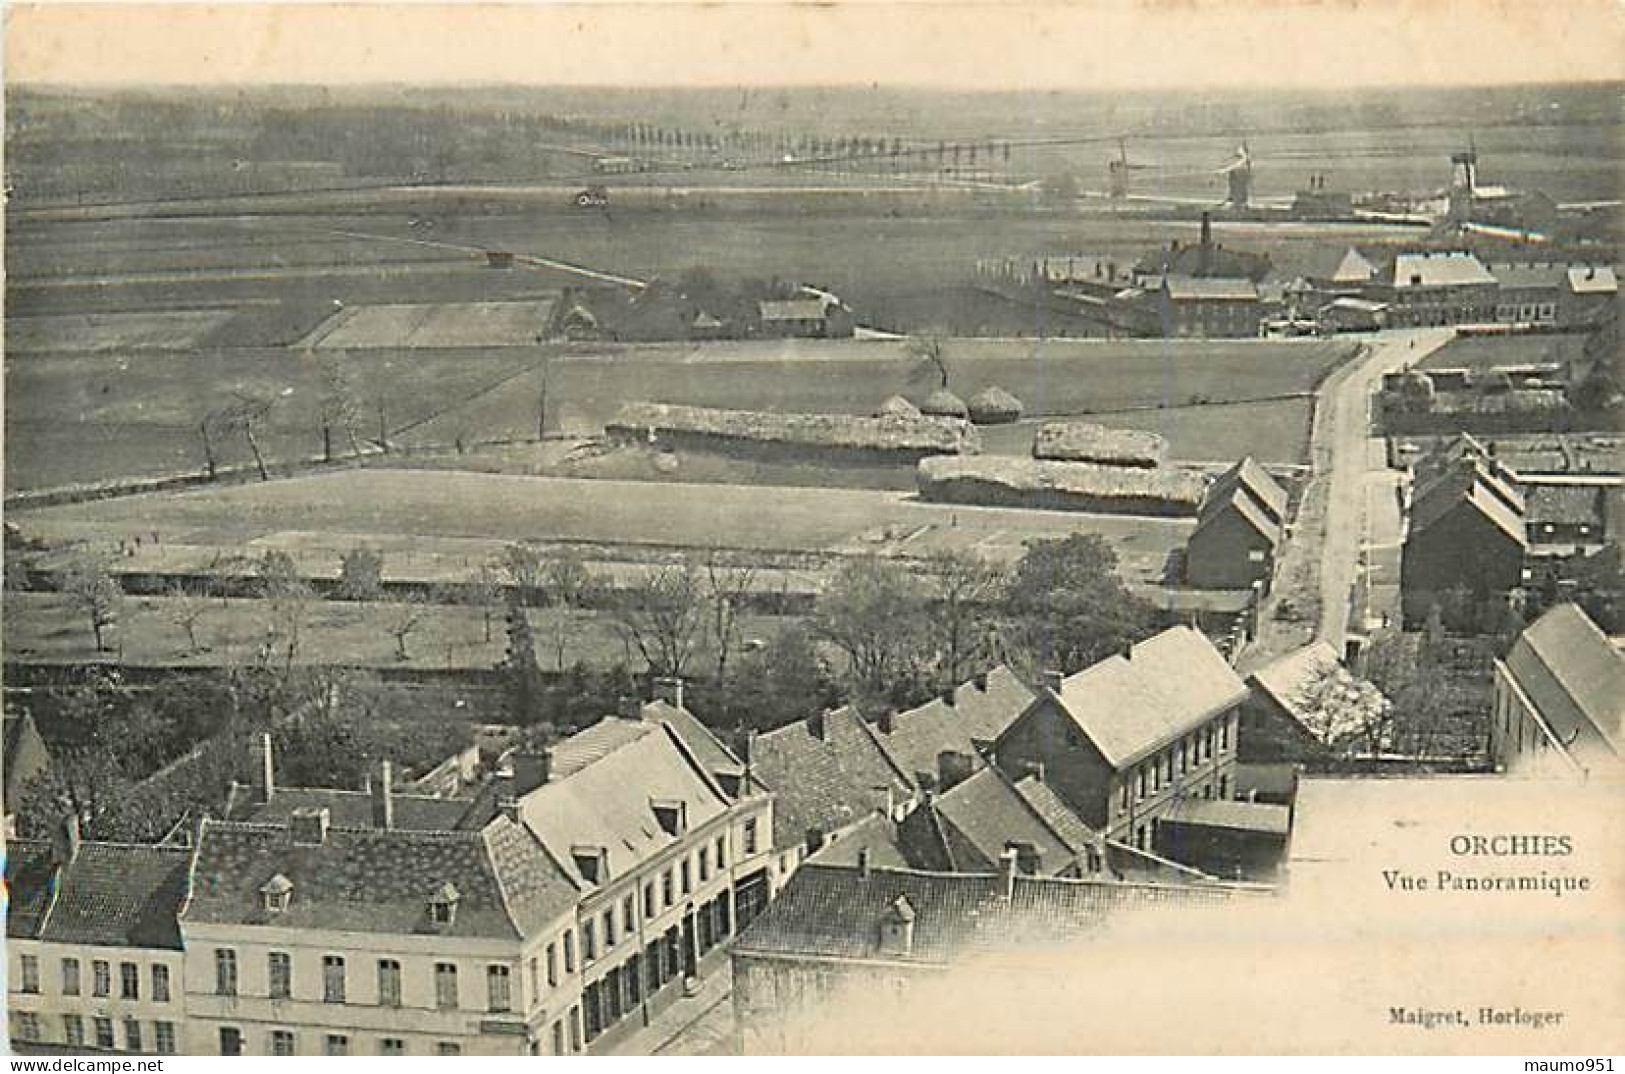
x=604, y=797
x=375, y=880
x=981, y=710
x=1576, y=679
x=1130, y=705
x=1256, y=480
x=699, y=740
x=1465, y=488
x=1593, y=280
x=827, y=772
x=834, y=911
x=1210, y=289
x=1237, y=501
x=792, y=309
x=985, y=814
x=1452, y=268
x=1312, y=686
x=109, y=895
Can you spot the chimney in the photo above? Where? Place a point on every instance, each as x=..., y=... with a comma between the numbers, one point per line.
x=508, y=806
x=981, y=681
x=1007, y=872
x=1128, y=650
x=888, y=796
x=1036, y=769
x=670, y=690
x=815, y=725
x=863, y=862
x=1051, y=680
x=530, y=770
x=886, y=721
x=264, y=773
x=383, y=796
x=65, y=844
x=628, y=708
x=308, y=826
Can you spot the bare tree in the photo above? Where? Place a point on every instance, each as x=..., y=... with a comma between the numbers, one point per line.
x=340, y=407
x=963, y=591
x=871, y=609
x=94, y=591
x=186, y=609
x=288, y=598
x=663, y=617
x=929, y=348
x=728, y=588
x=401, y=619
x=572, y=585
x=246, y=414
x=523, y=566
x=484, y=591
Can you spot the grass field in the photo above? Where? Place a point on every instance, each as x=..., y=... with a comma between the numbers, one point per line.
x=448, y=504
x=1271, y=431
x=1486, y=352
x=171, y=330
x=438, y=325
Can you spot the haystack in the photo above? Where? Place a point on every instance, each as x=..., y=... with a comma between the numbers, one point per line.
x=1082, y=441
x=994, y=406
x=698, y=425
x=1003, y=481
x=897, y=407
x=943, y=403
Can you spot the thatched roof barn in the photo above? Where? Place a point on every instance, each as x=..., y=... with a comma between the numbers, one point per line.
x=1067, y=486
x=698, y=425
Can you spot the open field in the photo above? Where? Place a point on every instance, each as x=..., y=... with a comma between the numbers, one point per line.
x=446, y=504
x=1486, y=352
x=1270, y=430
x=172, y=330
x=438, y=325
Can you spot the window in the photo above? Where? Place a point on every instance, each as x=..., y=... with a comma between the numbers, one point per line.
x=535, y=979
x=750, y=836
x=391, y=1046
x=129, y=980
x=497, y=990
x=1224, y=734
x=28, y=967
x=73, y=1030
x=558, y=1037
x=27, y=1025
x=389, y=983
x=231, y=1040
x=160, y=983
x=722, y=853
x=575, y=1029
x=70, y=977
x=1140, y=776
x=448, y=1047
x=445, y=985
x=629, y=913
x=649, y=900
x=705, y=864
x=225, y=983
x=163, y=1037
x=101, y=974
x=104, y=1034
x=1224, y=787
x=336, y=1044
x=1168, y=761
x=332, y=979
x=132, y=1035
x=1123, y=801
x=666, y=884
x=688, y=878
x=589, y=941
x=279, y=971
x=569, y=951
x=281, y=1042
x=552, y=964
x=609, y=928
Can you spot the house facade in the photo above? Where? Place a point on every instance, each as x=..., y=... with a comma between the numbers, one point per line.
x=1560, y=701
x=1238, y=530
x=1439, y=288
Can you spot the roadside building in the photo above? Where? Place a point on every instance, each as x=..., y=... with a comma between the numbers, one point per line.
x=1305, y=707
x=1529, y=292
x=93, y=953
x=1238, y=530
x=1560, y=700
x=1350, y=314
x=1571, y=512
x=1465, y=536
x=1126, y=739
x=1209, y=307
x=861, y=934
x=1439, y=288
x=808, y=315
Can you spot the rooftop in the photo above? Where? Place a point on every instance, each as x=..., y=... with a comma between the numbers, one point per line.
x=1210, y=289
x=108, y=895
x=1568, y=669
x=974, y=712
x=1314, y=687
x=1471, y=486
x=1256, y=480
x=827, y=771
x=1451, y=268
x=1133, y=703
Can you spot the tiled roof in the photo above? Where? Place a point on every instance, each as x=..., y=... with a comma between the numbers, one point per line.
x=1210, y=288
x=984, y=814
x=1468, y=486
x=380, y=881
x=1057, y=814
x=1167, y=686
x=1570, y=672
x=823, y=781
x=1598, y=280
x=1529, y=275
x=794, y=309
x=1313, y=687
x=700, y=741
x=1571, y=505
x=1444, y=269
x=353, y=809
x=980, y=712
x=1235, y=816
x=110, y=895
x=605, y=797
x=830, y=911
x=1243, y=504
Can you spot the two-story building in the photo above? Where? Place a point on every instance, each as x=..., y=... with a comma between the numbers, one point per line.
x=1125, y=741
x=1439, y=288
x=1560, y=701
x=93, y=952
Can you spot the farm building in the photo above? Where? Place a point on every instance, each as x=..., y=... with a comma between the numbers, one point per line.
x=1467, y=537
x=1210, y=307
x=1060, y=486
x=763, y=434
x=1238, y=530
x=808, y=315
x=1082, y=441
x=1573, y=511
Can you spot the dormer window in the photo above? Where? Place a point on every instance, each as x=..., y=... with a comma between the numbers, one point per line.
x=671, y=815
x=592, y=862
x=897, y=929
x=443, y=904
x=276, y=893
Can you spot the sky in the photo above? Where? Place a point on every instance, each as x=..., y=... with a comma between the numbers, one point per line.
x=1080, y=44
